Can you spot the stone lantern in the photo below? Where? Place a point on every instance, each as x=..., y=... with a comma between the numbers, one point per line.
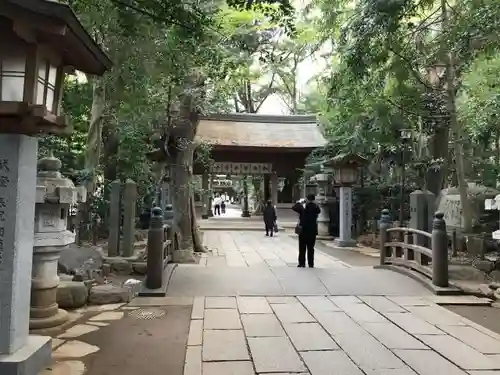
x=54, y=196
x=323, y=180
x=346, y=169
x=40, y=41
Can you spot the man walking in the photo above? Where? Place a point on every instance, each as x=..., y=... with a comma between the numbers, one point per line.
x=217, y=202
x=270, y=217
x=307, y=229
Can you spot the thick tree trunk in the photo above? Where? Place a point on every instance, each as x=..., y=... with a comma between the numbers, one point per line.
x=183, y=131
x=92, y=156
x=455, y=128
x=438, y=148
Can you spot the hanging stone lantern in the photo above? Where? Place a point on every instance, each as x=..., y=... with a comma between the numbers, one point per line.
x=54, y=196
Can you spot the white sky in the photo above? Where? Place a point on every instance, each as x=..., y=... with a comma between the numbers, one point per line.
x=307, y=70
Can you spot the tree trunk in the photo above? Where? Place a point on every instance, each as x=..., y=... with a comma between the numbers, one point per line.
x=92, y=156
x=183, y=131
x=438, y=148
x=455, y=127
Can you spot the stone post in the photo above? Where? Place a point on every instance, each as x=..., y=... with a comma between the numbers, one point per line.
x=154, y=266
x=129, y=203
x=206, y=199
x=345, y=221
x=54, y=195
x=114, y=219
x=18, y=160
x=274, y=188
x=421, y=214
x=245, y=212
x=439, y=251
x=384, y=224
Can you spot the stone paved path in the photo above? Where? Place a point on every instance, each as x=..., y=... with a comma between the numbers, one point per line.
x=330, y=335
x=254, y=312
x=253, y=248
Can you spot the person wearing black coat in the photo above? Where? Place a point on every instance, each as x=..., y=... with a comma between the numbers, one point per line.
x=270, y=218
x=307, y=229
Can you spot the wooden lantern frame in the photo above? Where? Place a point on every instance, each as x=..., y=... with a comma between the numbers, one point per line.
x=52, y=41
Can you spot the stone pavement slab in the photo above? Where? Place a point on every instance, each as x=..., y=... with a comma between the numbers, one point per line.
x=392, y=336
x=274, y=354
x=195, y=332
x=337, y=323
x=362, y=313
x=391, y=371
x=474, y=338
x=192, y=364
x=318, y=303
x=198, y=311
x=222, y=319
x=436, y=315
x=220, y=303
x=413, y=324
x=367, y=352
x=309, y=336
x=280, y=299
x=459, y=353
x=261, y=325
x=228, y=368
x=254, y=305
x=228, y=345
x=381, y=304
x=292, y=313
x=330, y=363
x=428, y=362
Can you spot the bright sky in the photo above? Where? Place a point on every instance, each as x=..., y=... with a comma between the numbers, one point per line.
x=309, y=68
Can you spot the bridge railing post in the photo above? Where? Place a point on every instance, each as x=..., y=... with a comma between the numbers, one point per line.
x=154, y=266
x=384, y=224
x=439, y=251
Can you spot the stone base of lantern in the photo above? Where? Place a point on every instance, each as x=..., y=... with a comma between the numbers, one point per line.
x=344, y=243
x=323, y=229
x=31, y=359
x=51, y=322
x=44, y=311
x=245, y=213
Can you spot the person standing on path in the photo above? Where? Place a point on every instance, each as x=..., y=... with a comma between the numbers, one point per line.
x=270, y=218
x=217, y=202
x=307, y=229
x=223, y=204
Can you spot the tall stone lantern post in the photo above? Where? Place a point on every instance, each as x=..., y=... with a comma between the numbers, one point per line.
x=54, y=195
x=346, y=168
x=40, y=41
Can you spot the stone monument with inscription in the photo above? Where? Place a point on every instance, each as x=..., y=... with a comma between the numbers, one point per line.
x=54, y=195
x=449, y=203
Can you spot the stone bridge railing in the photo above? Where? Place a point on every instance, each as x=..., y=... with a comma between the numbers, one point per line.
x=426, y=253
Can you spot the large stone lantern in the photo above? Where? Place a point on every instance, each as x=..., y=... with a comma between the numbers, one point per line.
x=40, y=41
x=54, y=195
x=346, y=171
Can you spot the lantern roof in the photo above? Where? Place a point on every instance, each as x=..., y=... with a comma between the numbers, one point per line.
x=55, y=24
x=346, y=160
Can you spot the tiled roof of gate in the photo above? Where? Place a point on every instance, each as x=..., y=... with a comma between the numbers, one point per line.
x=254, y=130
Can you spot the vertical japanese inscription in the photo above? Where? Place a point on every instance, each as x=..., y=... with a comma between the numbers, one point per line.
x=4, y=183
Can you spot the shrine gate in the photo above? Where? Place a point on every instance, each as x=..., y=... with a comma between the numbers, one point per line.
x=273, y=146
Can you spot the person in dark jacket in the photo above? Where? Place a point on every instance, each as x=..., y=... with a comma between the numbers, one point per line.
x=270, y=218
x=308, y=229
